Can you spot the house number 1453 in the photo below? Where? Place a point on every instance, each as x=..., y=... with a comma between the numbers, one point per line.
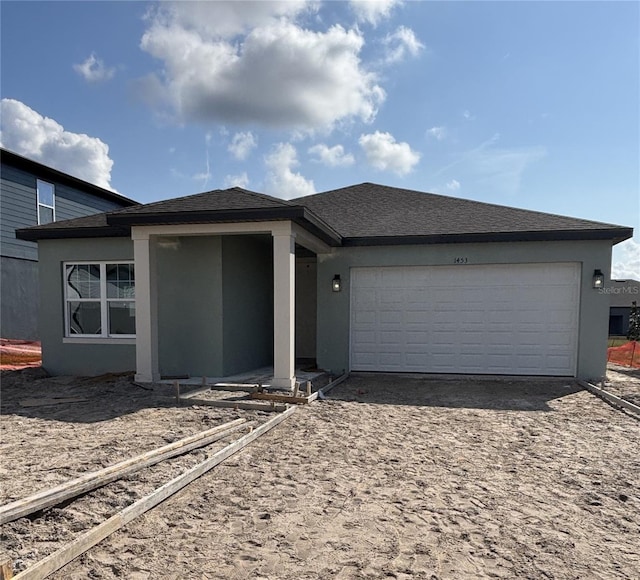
x=460, y=260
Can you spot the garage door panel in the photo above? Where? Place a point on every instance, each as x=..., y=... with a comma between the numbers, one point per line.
x=504, y=319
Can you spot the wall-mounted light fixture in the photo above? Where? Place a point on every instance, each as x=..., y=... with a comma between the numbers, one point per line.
x=336, y=283
x=598, y=279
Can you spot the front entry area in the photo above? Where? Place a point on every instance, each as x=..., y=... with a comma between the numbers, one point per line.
x=508, y=319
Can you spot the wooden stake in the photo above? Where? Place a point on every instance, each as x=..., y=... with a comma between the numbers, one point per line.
x=6, y=567
x=308, y=388
x=89, y=539
x=55, y=495
x=178, y=401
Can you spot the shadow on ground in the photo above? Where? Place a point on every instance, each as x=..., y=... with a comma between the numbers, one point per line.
x=499, y=393
x=32, y=393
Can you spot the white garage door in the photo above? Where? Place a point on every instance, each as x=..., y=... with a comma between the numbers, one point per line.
x=519, y=319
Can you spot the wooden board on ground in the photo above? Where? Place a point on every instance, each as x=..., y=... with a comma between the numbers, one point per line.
x=93, y=480
x=280, y=398
x=237, y=404
x=62, y=557
x=611, y=398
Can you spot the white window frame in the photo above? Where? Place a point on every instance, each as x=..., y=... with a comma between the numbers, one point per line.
x=104, y=336
x=41, y=204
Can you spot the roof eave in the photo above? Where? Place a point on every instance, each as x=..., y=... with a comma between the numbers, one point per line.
x=298, y=214
x=37, y=234
x=616, y=235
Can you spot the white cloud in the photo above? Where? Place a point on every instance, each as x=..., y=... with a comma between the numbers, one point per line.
x=42, y=139
x=384, y=153
x=438, y=133
x=281, y=180
x=228, y=19
x=332, y=156
x=241, y=180
x=373, y=11
x=453, y=185
x=93, y=70
x=467, y=115
x=626, y=261
x=223, y=63
x=242, y=144
x=401, y=43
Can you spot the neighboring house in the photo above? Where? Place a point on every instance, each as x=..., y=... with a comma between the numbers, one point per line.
x=30, y=194
x=622, y=293
x=388, y=279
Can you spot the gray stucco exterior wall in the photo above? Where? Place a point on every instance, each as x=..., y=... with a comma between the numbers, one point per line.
x=190, y=306
x=20, y=298
x=247, y=274
x=78, y=356
x=215, y=304
x=333, y=346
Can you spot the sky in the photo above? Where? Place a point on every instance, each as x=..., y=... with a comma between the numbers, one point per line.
x=526, y=104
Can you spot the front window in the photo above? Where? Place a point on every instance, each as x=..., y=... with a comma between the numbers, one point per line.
x=46, y=202
x=100, y=299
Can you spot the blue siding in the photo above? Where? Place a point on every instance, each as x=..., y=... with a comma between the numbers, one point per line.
x=18, y=208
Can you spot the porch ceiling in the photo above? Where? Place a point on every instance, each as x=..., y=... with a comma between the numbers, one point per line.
x=282, y=227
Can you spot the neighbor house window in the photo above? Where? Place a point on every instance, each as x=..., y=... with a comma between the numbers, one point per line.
x=100, y=299
x=46, y=202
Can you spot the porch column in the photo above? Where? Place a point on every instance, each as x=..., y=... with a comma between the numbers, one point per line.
x=147, y=370
x=284, y=286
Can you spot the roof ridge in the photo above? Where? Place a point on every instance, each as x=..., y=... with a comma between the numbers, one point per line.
x=258, y=194
x=460, y=199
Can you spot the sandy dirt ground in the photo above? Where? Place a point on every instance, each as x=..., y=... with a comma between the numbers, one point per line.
x=391, y=477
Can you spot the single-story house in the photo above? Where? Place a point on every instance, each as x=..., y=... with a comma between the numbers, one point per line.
x=363, y=278
x=622, y=294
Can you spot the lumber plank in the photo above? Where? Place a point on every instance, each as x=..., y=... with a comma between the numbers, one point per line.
x=237, y=386
x=233, y=388
x=89, y=481
x=245, y=405
x=80, y=545
x=279, y=398
x=610, y=397
x=92, y=537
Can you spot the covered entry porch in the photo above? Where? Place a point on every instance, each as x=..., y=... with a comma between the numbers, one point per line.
x=193, y=276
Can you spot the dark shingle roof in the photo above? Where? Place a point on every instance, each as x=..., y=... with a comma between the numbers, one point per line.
x=376, y=214
x=232, y=199
x=364, y=214
x=91, y=226
x=228, y=205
